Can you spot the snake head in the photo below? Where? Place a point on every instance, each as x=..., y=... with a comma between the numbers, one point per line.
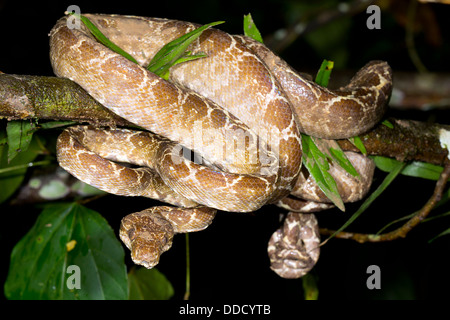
x=147, y=234
x=294, y=248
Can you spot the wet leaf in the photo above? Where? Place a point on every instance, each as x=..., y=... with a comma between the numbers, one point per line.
x=42, y=267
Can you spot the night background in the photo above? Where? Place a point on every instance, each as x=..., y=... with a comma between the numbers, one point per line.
x=229, y=259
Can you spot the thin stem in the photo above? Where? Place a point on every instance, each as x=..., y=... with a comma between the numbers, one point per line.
x=386, y=182
x=26, y=165
x=188, y=270
x=402, y=231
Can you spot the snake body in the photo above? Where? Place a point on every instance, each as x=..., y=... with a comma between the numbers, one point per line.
x=241, y=110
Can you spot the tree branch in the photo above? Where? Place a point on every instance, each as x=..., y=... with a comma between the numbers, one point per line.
x=25, y=97
x=407, y=141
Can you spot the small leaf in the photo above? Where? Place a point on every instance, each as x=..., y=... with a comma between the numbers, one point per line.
x=341, y=159
x=317, y=164
x=324, y=73
x=40, y=260
x=250, y=29
x=148, y=284
x=102, y=38
x=414, y=169
x=168, y=55
x=388, y=124
x=164, y=73
x=11, y=179
x=335, y=155
x=19, y=136
x=357, y=142
x=189, y=57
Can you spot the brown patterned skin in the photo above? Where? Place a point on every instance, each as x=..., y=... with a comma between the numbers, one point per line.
x=294, y=248
x=343, y=113
x=149, y=233
x=241, y=109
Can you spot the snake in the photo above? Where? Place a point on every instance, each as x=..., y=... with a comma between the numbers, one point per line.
x=240, y=111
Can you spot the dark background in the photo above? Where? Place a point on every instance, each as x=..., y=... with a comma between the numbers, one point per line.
x=229, y=259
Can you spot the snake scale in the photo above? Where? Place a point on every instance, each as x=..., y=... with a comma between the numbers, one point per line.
x=240, y=110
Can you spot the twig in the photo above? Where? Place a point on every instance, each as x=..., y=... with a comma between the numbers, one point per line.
x=187, y=293
x=402, y=231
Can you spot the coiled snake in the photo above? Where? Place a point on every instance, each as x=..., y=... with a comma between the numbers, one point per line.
x=241, y=110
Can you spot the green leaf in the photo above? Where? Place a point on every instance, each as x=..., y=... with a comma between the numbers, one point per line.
x=357, y=142
x=67, y=235
x=164, y=73
x=250, y=29
x=324, y=73
x=386, y=182
x=171, y=54
x=414, y=169
x=11, y=179
x=388, y=124
x=341, y=159
x=19, y=136
x=148, y=284
x=175, y=51
x=102, y=38
x=336, y=156
x=189, y=57
x=317, y=164
x=316, y=161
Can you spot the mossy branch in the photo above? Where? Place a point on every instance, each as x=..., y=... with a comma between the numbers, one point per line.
x=52, y=98
x=408, y=140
